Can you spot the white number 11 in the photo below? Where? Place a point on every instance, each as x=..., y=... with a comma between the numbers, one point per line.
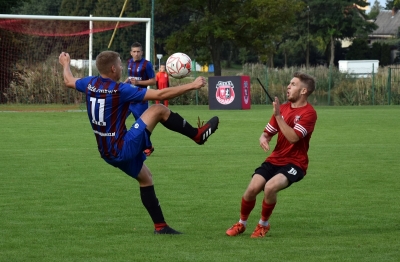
x=101, y=102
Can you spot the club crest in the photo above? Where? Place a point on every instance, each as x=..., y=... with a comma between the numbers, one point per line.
x=225, y=93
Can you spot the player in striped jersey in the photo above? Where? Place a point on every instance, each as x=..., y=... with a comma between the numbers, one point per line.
x=108, y=104
x=294, y=123
x=140, y=75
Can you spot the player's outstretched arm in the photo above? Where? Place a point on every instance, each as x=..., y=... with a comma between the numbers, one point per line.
x=168, y=93
x=69, y=79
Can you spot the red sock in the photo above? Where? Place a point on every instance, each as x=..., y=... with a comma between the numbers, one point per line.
x=266, y=210
x=246, y=208
x=160, y=226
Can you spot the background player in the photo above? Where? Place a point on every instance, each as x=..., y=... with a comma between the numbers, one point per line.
x=141, y=75
x=162, y=81
x=108, y=104
x=294, y=123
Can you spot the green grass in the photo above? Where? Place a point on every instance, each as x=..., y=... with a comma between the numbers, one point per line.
x=59, y=201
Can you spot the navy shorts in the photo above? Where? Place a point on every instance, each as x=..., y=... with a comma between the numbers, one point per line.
x=131, y=157
x=138, y=108
x=268, y=171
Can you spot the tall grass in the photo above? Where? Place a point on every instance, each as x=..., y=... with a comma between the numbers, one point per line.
x=333, y=87
x=43, y=84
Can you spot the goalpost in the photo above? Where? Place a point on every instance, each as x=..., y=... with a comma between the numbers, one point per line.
x=57, y=33
x=91, y=19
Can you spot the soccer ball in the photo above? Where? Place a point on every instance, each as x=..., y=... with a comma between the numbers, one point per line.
x=179, y=65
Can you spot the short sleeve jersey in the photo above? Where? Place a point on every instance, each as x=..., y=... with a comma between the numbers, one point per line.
x=302, y=120
x=140, y=70
x=107, y=105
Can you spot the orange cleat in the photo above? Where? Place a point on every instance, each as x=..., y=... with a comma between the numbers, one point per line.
x=260, y=231
x=236, y=229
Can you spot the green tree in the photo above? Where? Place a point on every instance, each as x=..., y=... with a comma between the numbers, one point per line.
x=375, y=9
x=358, y=50
x=77, y=8
x=43, y=7
x=338, y=19
x=9, y=6
x=256, y=25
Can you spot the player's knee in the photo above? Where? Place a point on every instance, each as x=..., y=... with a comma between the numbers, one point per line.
x=251, y=192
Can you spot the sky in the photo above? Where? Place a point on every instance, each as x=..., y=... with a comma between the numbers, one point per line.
x=382, y=2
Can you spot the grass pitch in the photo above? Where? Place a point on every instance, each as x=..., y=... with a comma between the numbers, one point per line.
x=59, y=201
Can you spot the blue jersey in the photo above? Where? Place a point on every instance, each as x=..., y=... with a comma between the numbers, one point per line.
x=107, y=105
x=140, y=70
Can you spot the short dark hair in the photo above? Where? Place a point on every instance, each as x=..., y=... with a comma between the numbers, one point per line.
x=137, y=44
x=306, y=80
x=105, y=60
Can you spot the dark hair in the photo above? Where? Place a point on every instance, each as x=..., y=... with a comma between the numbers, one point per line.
x=306, y=80
x=137, y=44
x=105, y=60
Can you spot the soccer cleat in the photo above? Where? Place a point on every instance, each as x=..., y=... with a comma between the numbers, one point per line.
x=260, y=231
x=236, y=229
x=148, y=151
x=167, y=231
x=204, y=131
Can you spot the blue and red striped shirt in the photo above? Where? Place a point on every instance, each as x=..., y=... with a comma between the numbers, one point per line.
x=107, y=105
x=140, y=70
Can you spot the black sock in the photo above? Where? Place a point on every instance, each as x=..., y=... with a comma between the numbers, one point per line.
x=176, y=123
x=150, y=202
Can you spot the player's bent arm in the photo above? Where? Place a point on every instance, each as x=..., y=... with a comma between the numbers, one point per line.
x=69, y=79
x=149, y=82
x=168, y=93
x=286, y=130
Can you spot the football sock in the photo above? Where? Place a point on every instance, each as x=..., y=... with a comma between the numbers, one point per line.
x=243, y=222
x=246, y=208
x=150, y=202
x=263, y=223
x=176, y=123
x=266, y=210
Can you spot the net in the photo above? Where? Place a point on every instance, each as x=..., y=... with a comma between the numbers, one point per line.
x=29, y=50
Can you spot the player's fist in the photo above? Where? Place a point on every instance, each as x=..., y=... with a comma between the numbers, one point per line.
x=64, y=58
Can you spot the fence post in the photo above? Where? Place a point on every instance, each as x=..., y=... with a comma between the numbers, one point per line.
x=266, y=84
x=329, y=84
x=389, y=84
x=373, y=87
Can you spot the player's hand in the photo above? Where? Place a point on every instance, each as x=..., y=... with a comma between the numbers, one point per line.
x=264, y=143
x=276, y=105
x=64, y=59
x=199, y=82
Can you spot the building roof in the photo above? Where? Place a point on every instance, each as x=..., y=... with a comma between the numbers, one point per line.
x=388, y=23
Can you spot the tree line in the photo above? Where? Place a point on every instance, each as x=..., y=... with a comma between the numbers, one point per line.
x=226, y=32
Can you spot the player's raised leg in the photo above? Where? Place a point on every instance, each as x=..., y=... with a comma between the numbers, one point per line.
x=173, y=121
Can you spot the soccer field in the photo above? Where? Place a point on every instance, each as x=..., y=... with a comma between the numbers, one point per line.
x=59, y=201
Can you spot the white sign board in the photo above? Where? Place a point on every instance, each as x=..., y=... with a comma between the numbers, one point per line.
x=359, y=68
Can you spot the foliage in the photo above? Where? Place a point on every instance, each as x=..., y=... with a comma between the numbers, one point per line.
x=358, y=50
x=338, y=19
x=215, y=22
x=375, y=9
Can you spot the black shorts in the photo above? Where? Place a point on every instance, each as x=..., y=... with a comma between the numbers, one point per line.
x=268, y=171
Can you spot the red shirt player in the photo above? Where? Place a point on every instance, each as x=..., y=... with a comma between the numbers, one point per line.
x=162, y=81
x=294, y=123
